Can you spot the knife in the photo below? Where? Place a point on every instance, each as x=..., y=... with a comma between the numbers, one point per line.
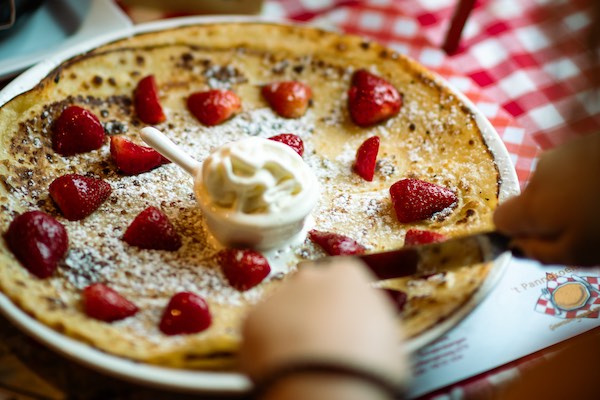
x=436, y=257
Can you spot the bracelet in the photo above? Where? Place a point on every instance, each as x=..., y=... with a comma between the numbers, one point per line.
x=261, y=386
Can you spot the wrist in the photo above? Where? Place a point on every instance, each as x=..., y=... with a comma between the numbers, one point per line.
x=316, y=386
x=327, y=379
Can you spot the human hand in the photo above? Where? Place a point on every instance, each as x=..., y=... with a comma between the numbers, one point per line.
x=325, y=312
x=557, y=217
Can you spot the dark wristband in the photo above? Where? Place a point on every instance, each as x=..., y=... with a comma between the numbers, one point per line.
x=316, y=367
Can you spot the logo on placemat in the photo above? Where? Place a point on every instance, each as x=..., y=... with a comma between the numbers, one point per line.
x=570, y=296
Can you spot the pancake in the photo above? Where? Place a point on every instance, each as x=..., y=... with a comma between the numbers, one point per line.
x=434, y=138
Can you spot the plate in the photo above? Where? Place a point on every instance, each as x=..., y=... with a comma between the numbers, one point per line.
x=203, y=381
x=57, y=25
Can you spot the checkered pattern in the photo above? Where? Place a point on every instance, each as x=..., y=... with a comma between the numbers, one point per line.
x=531, y=57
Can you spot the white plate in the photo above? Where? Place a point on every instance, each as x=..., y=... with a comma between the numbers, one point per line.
x=57, y=25
x=202, y=381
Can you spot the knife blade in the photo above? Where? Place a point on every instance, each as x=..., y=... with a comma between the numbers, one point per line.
x=436, y=257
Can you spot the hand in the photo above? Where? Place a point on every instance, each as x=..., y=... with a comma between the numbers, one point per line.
x=325, y=312
x=557, y=217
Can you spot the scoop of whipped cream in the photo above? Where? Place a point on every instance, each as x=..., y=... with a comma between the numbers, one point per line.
x=255, y=192
x=254, y=176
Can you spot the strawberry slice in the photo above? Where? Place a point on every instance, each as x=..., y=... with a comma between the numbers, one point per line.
x=289, y=99
x=75, y=131
x=214, y=106
x=335, y=244
x=415, y=200
x=151, y=229
x=38, y=241
x=78, y=196
x=147, y=104
x=366, y=158
x=106, y=304
x=372, y=99
x=133, y=159
x=243, y=269
x=418, y=236
x=294, y=141
x=186, y=313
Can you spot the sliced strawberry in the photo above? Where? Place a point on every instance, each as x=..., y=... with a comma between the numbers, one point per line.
x=372, y=99
x=38, y=241
x=106, y=304
x=289, y=99
x=243, y=269
x=78, y=196
x=186, y=313
x=366, y=158
x=133, y=159
x=75, y=131
x=294, y=141
x=147, y=104
x=335, y=244
x=418, y=236
x=398, y=298
x=214, y=106
x=415, y=200
x=151, y=229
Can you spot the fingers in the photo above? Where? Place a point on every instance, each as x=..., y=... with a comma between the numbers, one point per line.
x=570, y=248
x=544, y=251
x=511, y=217
x=524, y=215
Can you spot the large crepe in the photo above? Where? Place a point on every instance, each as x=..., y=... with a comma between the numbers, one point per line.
x=434, y=138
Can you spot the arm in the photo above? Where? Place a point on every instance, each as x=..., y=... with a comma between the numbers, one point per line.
x=325, y=313
x=557, y=217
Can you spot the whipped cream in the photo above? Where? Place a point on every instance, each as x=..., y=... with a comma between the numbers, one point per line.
x=254, y=176
x=255, y=192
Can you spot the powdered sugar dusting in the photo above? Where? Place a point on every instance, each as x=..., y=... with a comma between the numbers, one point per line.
x=417, y=143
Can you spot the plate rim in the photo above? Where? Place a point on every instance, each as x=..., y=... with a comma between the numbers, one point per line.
x=202, y=381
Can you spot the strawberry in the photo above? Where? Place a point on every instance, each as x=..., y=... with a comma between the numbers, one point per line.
x=214, y=106
x=147, y=104
x=294, y=141
x=414, y=199
x=133, y=159
x=186, y=313
x=417, y=236
x=106, y=304
x=372, y=99
x=366, y=158
x=243, y=269
x=38, y=241
x=398, y=298
x=335, y=244
x=151, y=229
x=78, y=196
x=75, y=131
x=289, y=99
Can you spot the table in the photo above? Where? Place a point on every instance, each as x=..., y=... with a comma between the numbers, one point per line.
x=522, y=62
